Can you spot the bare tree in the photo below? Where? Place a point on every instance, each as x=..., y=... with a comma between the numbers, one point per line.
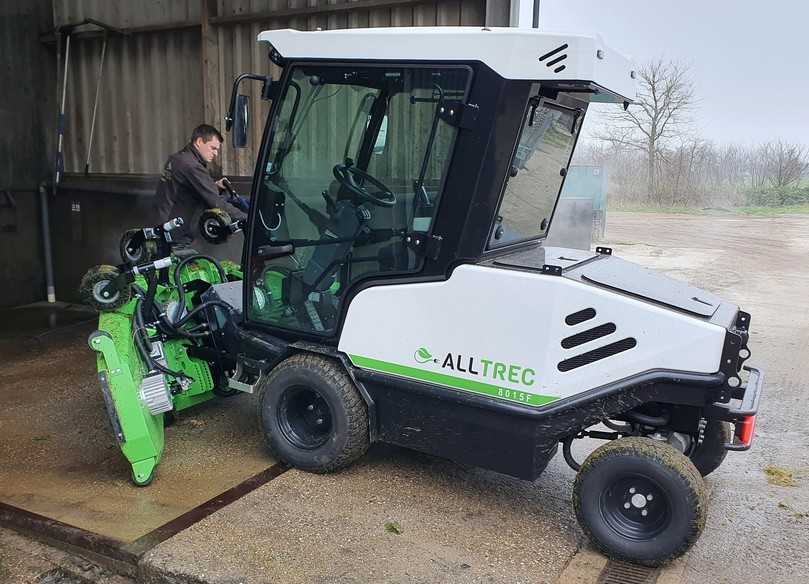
x=786, y=163
x=665, y=96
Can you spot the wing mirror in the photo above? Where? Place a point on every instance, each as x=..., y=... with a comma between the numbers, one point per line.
x=238, y=117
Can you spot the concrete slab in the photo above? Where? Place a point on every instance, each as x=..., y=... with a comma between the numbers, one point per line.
x=396, y=516
x=58, y=457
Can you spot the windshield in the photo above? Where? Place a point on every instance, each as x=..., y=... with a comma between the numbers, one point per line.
x=536, y=172
x=353, y=176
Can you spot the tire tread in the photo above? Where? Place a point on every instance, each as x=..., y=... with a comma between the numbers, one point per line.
x=666, y=456
x=333, y=373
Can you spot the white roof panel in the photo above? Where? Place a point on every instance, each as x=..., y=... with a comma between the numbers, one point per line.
x=514, y=53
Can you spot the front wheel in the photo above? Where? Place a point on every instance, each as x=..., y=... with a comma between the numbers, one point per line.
x=640, y=500
x=312, y=415
x=100, y=289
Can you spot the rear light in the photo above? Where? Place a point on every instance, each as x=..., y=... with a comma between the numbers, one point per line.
x=744, y=431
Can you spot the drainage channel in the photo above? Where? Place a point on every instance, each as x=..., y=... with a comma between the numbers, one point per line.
x=123, y=557
x=617, y=572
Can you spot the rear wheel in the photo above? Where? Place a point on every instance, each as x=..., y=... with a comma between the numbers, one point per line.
x=640, y=500
x=312, y=415
x=711, y=452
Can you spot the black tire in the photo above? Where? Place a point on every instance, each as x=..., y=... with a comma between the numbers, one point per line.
x=145, y=252
x=711, y=453
x=214, y=226
x=92, y=288
x=664, y=493
x=312, y=415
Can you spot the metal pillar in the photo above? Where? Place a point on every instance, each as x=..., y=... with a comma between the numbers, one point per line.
x=524, y=14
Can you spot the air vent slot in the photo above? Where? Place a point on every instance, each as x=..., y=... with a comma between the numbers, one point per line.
x=588, y=335
x=597, y=354
x=580, y=316
x=557, y=58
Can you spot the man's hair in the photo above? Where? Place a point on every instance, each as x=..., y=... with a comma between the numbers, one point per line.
x=206, y=132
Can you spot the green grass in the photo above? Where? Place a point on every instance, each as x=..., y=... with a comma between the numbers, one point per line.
x=801, y=209
x=774, y=211
x=652, y=209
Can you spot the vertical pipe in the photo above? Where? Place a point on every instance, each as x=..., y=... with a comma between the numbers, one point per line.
x=46, y=242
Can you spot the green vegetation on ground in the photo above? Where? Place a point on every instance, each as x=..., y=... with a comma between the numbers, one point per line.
x=757, y=211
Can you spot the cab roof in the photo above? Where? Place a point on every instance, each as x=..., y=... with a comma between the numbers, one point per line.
x=513, y=53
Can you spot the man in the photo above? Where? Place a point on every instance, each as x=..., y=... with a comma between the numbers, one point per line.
x=186, y=187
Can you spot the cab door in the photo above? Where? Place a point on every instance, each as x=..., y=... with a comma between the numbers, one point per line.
x=352, y=175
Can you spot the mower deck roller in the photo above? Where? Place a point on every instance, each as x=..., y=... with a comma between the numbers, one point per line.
x=397, y=287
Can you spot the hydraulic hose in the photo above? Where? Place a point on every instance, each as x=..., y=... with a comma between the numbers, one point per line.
x=140, y=343
x=170, y=329
x=202, y=307
x=178, y=283
x=648, y=420
x=140, y=325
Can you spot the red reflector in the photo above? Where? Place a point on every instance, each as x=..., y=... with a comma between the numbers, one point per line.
x=744, y=430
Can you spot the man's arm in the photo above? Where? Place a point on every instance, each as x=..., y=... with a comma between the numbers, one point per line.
x=199, y=179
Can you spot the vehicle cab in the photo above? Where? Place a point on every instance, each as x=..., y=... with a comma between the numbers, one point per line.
x=441, y=146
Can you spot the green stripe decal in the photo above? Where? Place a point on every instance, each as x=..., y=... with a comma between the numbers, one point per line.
x=478, y=387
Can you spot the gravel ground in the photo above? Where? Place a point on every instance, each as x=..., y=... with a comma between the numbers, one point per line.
x=756, y=531
x=467, y=525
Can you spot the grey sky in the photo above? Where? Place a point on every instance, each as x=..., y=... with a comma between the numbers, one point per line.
x=748, y=58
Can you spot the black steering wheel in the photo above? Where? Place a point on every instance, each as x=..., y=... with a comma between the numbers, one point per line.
x=357, y=181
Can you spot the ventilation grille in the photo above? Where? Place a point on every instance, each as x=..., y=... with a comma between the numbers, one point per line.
x=588, y=335
x=580, y=316
x=597, y=354
x=554, y=58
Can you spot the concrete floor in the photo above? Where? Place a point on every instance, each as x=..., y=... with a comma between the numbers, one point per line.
x=58, y=457
x=461, y=524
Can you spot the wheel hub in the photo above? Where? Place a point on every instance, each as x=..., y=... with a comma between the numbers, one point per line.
x=304, y=417
x=101, y=293
x=635, y=508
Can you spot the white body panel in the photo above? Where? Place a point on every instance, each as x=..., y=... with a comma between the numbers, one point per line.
x=518, y=318
x=512, y=52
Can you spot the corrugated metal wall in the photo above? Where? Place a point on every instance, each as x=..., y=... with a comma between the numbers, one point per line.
x=27, y=116
x=159, y=84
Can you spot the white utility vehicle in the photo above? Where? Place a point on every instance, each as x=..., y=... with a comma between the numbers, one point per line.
x=397, y=287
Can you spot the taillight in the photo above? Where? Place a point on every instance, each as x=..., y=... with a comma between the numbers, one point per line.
x=744, y=430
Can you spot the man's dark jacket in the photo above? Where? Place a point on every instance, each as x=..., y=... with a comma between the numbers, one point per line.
x=186, y=189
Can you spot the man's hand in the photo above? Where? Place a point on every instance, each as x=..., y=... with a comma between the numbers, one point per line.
x=220, y=183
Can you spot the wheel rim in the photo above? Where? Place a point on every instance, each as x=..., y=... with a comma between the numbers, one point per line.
x=98, y=293
x=133, y=253
x=304, y=417
x=635, y=507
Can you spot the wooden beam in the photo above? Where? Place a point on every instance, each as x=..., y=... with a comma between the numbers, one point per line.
x=210, y=64
x=305, y=11
x=49, y=38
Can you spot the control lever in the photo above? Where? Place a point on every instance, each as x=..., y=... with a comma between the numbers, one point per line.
x=234, y=198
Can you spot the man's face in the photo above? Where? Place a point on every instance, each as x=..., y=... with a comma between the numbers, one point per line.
x=208, y=150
